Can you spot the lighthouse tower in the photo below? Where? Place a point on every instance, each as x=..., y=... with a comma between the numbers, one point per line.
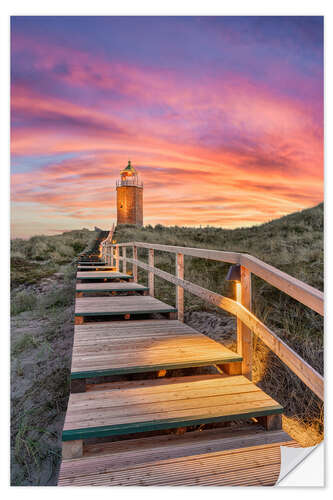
x=129, y=197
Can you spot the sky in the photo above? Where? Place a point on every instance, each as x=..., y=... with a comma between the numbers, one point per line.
x=221, y=116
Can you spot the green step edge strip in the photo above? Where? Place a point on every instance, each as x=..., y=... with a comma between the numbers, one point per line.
x=116, y=430
x=143, y=289
x=117, y=313
x=147, y=368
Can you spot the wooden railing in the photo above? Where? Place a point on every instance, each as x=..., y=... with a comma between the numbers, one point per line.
x=247, y=322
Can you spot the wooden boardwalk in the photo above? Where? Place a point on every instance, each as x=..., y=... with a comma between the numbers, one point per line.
x=120, y=333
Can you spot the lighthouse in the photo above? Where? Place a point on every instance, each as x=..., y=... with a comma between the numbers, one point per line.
x=129, y=197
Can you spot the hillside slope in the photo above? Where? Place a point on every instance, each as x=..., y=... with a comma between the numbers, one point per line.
x=293, y=243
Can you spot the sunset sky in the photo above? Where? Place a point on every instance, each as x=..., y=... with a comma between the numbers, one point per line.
x=221, y=116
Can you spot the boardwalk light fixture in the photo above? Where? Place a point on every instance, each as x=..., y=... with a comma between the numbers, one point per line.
x=234, y=273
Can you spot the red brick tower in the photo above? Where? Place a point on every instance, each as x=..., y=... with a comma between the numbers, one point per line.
x=129, y=197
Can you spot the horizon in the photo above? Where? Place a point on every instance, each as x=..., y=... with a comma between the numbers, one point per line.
x=221, y=116
x=62, y=231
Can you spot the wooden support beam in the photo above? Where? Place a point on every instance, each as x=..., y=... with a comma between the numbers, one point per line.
x=151, y=277
x=78, y=385
x=172, y=315
x=179, y=289
x=244, y=334
x=78, y=320
x=271, y=422
x=72, y=449
x=234, y=368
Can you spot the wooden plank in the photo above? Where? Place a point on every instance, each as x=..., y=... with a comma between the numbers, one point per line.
x=252, y=465
x=95, y=268
x=104, y=306
x=100, y=263
x=298, y=365
x=101, y=275
x=110, y=287
x=172, y=450
x=231, y=257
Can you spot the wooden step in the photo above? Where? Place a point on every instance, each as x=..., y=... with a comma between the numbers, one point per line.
x=115, y=306
x=163, y=404
x=110, y=287
x=95, y=267
x=234, y=456
x=102, y=275
x=118, y=347
x=91, y=263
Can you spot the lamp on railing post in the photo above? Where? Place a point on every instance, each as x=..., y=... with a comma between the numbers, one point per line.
x=242, y=277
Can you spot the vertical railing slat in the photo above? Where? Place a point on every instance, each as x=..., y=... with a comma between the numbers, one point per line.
x=151, y=277
x=244, y=334
x=117, y=258
x=179, y=289
x=124, y=260
x=135, y=267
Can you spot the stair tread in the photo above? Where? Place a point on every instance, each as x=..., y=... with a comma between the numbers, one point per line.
x=116, y=347
x=102, y=306
x=109, y=287
x=209, y=457
x=161, y=406
x=101, y=275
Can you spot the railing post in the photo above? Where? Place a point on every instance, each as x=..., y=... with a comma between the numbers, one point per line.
x=111, y=256
x=108, y=255
x=135, y=267
x=244, y=334
x=124, y=260
x=151, y=277
x=179, y=289
x=117, y=258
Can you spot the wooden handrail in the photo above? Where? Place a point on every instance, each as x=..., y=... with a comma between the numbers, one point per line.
x=299, y=366
x=306, y=294
x=293, y=287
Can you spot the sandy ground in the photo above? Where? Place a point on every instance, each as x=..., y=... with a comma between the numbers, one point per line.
x=41, y=345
